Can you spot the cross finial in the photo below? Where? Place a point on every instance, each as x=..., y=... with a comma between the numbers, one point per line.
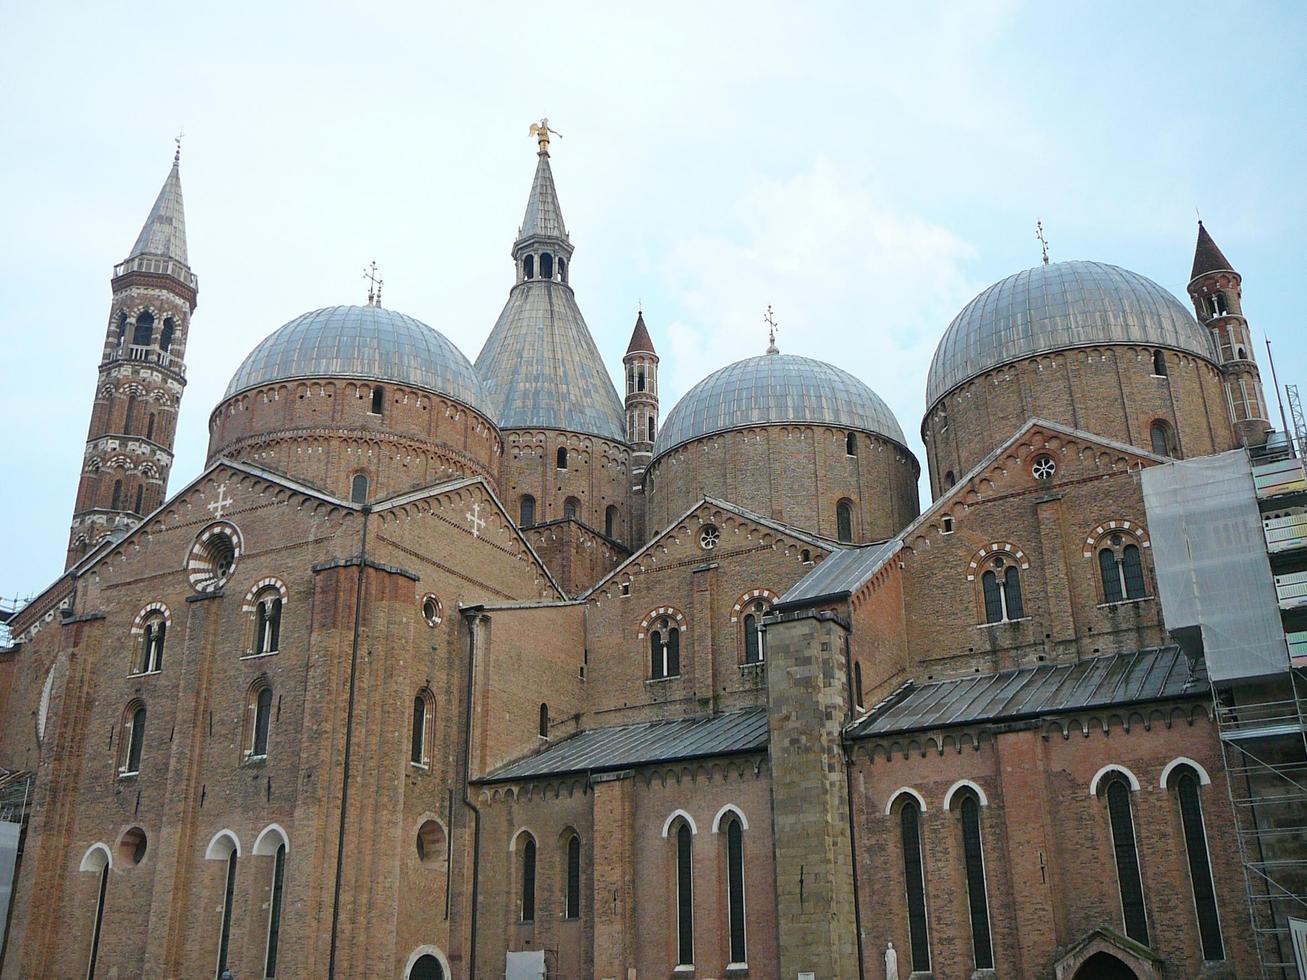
x=1043, y=242
x=771, y=331
x=177, y=156
x=374, y=284
x=541, y=132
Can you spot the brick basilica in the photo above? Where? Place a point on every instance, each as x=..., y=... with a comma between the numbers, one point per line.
x=451, y=669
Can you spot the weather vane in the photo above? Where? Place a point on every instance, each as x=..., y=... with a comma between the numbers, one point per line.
x=177, y=157
x=771, y=331
x=541, y=132
x=374, y=284
x=1043, y=242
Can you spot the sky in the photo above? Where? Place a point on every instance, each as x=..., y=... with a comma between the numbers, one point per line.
x=865, y=169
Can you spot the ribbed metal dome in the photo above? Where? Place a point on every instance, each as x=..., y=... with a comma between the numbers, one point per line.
x=366, y=342
x=1052, y=307
x=776, y=388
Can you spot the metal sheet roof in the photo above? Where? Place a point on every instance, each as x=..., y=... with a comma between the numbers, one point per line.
x=1053, y=307
x=164, y=231
x=1145, y=675
x=606, y=749
x=776, y=388
x=840, y=573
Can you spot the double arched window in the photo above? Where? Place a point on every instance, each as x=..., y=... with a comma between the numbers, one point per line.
x=153, y=634
x=267, y=621
x=1121, y=567
x=1000, y=586
x=664, y=650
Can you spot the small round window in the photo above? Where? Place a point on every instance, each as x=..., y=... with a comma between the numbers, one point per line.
x=709, y=536
x=1044, y=467
x=214, y=556
x=431, y=610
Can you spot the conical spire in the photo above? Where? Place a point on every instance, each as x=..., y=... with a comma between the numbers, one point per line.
x=641, y=342
x=1207, y=257
x=165, y=229
x=544, y=217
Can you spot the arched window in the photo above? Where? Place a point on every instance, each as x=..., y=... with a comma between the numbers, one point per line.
x=423, y=704
x=610, y=521
x=378, y=400
x=97, y=862
x=529, y=267
x=650, y=426
x=1121, y=568
x=1160, y=434
x=149, y=427
x=1186, y=783
x=639, y=380
x=1127, y=859
x=562, y=457
x=915, y=884
x=844, y=521
x=133, y=740
x=571, y=509
x=267, y=621
x=427, y=967
x=949, y=479
x=1001, y=586
x=120, y=337
x=857, y=684
x=684, y=895
x=546, y=265
x=572, y=883
x=116, y=502
x=260, y=719
x=544, y=720
x=274, y=912
x=851, y=445
x=165, y=336
x=153, y=635
x=228, y=899
x=526, y=510
x=664, y=650
x=140, y=499
x=755, y=639
x=982, y=947
x=1159, y=364
x=562, y=269
x=144, y=332
x=358, y=489
x=528, y=909
x=129, y=416
x=735, y=888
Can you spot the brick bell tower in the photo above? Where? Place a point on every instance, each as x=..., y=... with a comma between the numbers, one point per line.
x=1217, y=294
x=141, y=377
x=641, y=366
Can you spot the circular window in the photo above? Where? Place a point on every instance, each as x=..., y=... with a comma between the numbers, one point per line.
x=431, y=610
x=1044, y=467
x=131, y=849
x=709, y=536
x=213, y=557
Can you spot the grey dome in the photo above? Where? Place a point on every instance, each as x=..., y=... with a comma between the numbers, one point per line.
x=1053, y=307
x=366, y=342
x=776, y=388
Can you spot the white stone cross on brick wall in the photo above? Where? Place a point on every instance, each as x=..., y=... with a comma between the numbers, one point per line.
x=476, y=520
x=221, y=504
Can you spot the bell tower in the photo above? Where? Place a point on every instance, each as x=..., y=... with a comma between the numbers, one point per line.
x=1217, y=294
x=641, y=365
x=129, y=445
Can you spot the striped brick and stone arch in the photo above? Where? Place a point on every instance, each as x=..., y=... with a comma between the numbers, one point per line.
x=676, y=617
x=146, y=613
x=214, y=555
x=252, y=597
x=766, y=595
x=1002, y=548
x=1119, y=526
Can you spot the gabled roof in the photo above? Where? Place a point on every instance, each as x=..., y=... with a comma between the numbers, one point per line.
x=1208, y=257
x=624, y=746
x=164, y=232
x=1159, y=674
x=805, y=536
x=855, y=566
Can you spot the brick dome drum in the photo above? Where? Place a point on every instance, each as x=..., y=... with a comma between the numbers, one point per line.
x=776, y=388
x=1059, y=306
x=365, y=342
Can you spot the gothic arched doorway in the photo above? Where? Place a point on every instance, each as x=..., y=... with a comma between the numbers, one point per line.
x=1104, y=966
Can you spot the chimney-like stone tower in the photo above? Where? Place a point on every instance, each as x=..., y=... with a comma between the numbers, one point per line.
x=141, y=377
x=1217, y=294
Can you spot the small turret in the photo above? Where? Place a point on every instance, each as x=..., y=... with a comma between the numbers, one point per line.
x=641, y=363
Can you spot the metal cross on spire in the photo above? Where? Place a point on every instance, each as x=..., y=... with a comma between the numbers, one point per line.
x=771, y=331
x=374, y=284
x=1043, y=242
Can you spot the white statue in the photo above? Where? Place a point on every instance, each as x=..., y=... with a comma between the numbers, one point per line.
x=891, y=963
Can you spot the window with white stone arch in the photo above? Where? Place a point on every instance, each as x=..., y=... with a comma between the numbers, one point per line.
x=664, y=628
x=151, y=629
x=264, y=604
x=997, y=569
x=747, y=613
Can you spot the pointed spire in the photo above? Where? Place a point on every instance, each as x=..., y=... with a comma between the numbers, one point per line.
x=1207, y=257
x=544, y=217
x=164, y=232
x=641, y=342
